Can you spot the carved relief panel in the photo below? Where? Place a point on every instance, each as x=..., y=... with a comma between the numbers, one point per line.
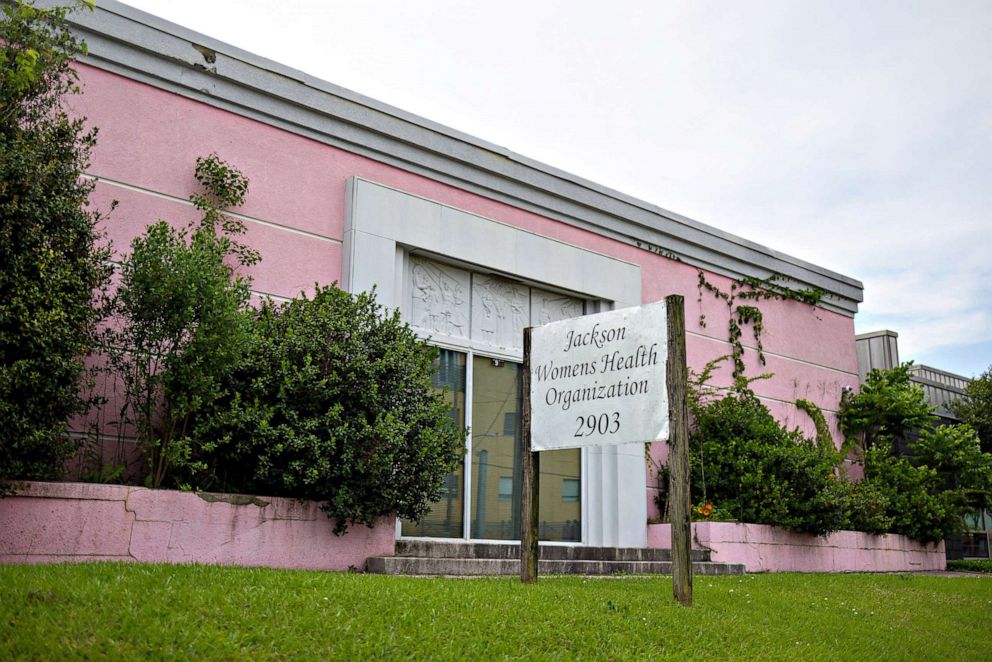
x=446, y=301
x=550, y=307
x=440, y=298
x=500, y=311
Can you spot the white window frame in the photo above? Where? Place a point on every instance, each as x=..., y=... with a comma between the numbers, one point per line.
x=384, y=225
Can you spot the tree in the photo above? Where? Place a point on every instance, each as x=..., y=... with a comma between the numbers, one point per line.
x=48, y=242
x=888, y=410
x=931, y=475
x=976, y=408
x=179, y=319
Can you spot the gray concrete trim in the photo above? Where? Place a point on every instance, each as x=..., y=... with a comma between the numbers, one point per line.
x=420, y=223
x=132, y=43
x=876, y=334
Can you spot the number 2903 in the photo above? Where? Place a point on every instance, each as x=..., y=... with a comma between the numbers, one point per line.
x=608, y=423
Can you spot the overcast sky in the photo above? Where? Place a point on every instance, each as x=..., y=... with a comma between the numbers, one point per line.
x=854, y=135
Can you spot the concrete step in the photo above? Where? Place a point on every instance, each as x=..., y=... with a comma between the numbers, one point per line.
x=471, y=567
x=511, y=551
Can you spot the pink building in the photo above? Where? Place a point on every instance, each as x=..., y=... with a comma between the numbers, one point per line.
x=470, y=241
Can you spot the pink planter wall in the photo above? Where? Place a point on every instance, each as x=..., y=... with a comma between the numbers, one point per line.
x=764, y=548
x=51, y=522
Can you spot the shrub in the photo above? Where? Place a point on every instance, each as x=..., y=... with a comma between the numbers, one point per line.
x=179, y=320
x=943, y=477
x=51, y=265
x=971, y=565
x=332, y=401
x=868, y=508
x=954, y=453
x=930, y=476
x=747, y=464
x=916, y=507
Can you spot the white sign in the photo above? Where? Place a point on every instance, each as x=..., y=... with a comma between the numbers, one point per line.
x=600, y=379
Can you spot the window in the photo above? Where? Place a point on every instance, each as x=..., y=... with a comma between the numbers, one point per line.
x=479, y=319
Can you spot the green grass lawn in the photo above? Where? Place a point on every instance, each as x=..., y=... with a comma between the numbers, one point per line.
x=131, y=611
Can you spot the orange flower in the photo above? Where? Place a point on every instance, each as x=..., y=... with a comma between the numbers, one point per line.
x=708, y=509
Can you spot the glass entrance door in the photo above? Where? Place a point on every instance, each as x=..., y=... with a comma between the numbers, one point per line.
x=496, y=473
x=495, y=449
x=493, y=458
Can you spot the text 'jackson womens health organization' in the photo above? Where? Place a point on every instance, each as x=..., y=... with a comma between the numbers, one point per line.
x=600, y=379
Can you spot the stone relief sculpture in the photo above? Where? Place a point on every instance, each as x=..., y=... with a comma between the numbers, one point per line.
x=549, y=307
x=500, y=311
x=439, y=295
x=453, y=302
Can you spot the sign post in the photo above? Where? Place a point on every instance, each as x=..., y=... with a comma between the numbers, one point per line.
x=678, y=452
x=598, y=380
x=530, y=468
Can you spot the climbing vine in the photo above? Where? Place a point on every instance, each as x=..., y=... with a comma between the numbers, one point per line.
x=744, y=314
x=823, y=436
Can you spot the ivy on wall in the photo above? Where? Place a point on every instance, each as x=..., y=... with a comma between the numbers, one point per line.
x=751, y=290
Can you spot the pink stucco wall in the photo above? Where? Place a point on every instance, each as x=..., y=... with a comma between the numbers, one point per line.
x=52, y=522
x=764, y=548
x=295, y=213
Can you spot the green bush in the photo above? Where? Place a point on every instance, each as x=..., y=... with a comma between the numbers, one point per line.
x=51, y=264
x=332, y=401
x=971, y=565
x=179, y=320
x=943, y=477
x=868, y=508
x=747, y=464
x=954, y=453
x=917, y=508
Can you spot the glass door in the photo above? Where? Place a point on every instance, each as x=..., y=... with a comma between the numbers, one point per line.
x=496, y=473
x=493, y=458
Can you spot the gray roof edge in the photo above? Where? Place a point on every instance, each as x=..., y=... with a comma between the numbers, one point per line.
x=564, y=196
x=876, y=334
x=917, y=367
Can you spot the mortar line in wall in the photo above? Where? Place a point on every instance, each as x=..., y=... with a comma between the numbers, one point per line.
x=726, y=389
x=261, y=293
x=100, y=436
x=776, y=355
x=274, y=297
x=183, y=201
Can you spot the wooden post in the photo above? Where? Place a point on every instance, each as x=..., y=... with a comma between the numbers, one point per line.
x=530, y=469
x=678, y=455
